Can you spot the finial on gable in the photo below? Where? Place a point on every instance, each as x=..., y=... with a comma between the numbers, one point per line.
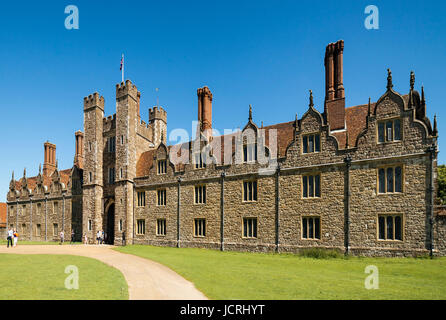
x=423, y=101
x=250, y=113
x=12, y=175
x=369, y=112
x=389, y=79
x=40, y=168
x=412, y=80
x=24, y=172
x=262, y=125
x=311, y=99
x=57, y=161
x=296, y=122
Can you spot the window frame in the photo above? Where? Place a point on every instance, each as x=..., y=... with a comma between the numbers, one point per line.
x=307, y=175
x=200, y=164
x=250, y=218
x=386, y=167
x=203, y=194
x=385, y=216
x=163, y=168
x=314, y=233
x=157, y=231
x=307, y=135
x=196, y=235
x=255, y=195
x=384, y=122
x=164, y=203
x=141, y=201
x=138, y=221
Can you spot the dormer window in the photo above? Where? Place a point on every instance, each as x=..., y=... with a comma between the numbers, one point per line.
x=250, y=152
x=311, y=143
x=162, y=166
x=389, y=130
x=198, y=161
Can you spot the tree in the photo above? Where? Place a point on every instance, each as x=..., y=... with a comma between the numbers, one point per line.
x=441, y=183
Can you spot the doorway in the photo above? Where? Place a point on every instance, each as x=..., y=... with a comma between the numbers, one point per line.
x=110, y=231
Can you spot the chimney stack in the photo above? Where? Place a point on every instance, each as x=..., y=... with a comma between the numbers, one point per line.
x=49, y=164
x=205, y=109
x=334, y=86
x=79, y=156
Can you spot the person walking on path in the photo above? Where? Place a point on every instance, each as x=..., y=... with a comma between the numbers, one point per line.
x=85, y=239
x=103, y=237
x=16, y=237
x=72, y=236
x=9, y=238
x=61, y=237
x=98, y=236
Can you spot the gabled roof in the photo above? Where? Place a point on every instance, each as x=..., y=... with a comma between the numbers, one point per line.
x=47, y=180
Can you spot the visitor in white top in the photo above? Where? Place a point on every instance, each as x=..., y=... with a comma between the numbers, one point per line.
x=9, y=238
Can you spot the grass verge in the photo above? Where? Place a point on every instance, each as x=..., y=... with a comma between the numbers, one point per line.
x=237, y=275
x=42, y=277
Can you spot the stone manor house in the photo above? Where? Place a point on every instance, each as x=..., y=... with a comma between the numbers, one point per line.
x=358, y=179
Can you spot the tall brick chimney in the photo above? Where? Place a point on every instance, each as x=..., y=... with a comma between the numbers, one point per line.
x=205, y=108
x=334, y=86
x=49, y=164
x=79, y=156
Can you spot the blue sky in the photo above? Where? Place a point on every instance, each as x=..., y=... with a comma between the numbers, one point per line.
x=264, y=53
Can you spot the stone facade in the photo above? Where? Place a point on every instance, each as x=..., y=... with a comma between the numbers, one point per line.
x=333, y=183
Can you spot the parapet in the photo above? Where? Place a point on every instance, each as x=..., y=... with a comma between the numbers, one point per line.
x=127, y=88
x=94, y=100
x=157, y=113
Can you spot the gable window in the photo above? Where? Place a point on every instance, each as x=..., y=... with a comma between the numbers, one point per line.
x=141, y=199
x=111, y=144
x=161, y=193
x=250, y=227
x=311, y=143
x=390, y=227
x=161, y=227
x=311, y=186
x=250, y=191
x=311, y=228
x=162, y=166
x=250, y=152
x=141, y=226
x=198, y=161
x=389, y=130
x=200, y=228
x=390, y=179
x=111, y=175
x=200, y=194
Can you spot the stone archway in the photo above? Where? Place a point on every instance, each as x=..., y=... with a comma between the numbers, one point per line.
x=110, y=225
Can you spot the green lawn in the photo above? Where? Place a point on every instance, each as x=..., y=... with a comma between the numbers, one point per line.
x=42, y=277
x=235, y=275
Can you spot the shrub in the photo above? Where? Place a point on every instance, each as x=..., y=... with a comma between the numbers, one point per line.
x=320, y=253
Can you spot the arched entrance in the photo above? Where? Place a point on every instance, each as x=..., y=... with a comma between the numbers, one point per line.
x=110, y=230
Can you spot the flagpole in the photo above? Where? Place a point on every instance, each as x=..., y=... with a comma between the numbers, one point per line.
x=122, y=67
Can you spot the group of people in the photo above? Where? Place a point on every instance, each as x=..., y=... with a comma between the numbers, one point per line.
x=100, y=237
x=13, y=235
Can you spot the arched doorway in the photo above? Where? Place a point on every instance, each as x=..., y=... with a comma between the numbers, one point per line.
x=110, y=230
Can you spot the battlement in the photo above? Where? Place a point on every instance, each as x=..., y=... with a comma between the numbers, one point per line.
x=157, y=113
x=127, y=88
x=94, y=100
x=109, y=123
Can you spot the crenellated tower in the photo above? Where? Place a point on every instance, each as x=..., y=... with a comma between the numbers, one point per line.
x=92, y=213
x=158, y=122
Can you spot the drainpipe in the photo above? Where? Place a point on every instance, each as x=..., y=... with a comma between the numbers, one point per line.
x=348, y=163
x=63, y=213
x=222, y=206
x=432, y=150
x=277, y=208
x=178, y=212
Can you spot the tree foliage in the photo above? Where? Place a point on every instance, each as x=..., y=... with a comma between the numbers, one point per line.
x=441, y=183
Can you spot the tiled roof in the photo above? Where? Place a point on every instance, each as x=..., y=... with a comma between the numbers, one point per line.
x=32, y=181
x=355, y=120
x=2, y=215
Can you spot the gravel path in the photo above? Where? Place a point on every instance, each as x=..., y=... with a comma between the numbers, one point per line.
x=146, y=279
